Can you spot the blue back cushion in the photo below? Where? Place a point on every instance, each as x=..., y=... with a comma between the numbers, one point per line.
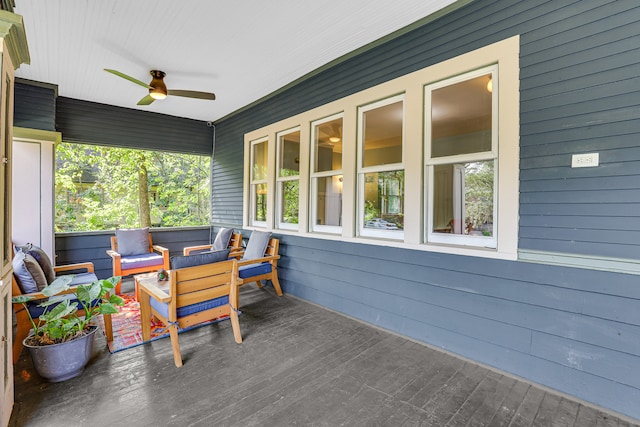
x=257, y=244
x=222, y=239
x=43, y=259
x=177, y=262
x=28, y=273
x=134, y=241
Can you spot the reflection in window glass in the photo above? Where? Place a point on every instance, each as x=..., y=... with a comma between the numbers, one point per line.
x=384, y=200
x=289, y=154
x=259, y=161
x=289, y=194
x=329, y=200
x=260, y=205
x=463, y=198
x=461, y=118
x=327, y=146
x=382, y=135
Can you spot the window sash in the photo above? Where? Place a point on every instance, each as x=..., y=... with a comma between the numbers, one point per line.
x=459, y=159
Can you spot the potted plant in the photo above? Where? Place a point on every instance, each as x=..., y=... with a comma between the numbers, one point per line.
x=62, y=338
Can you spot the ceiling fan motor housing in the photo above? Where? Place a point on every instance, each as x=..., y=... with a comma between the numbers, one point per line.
x=158, y=89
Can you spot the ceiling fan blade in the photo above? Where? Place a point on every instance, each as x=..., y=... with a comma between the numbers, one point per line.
x=192, y=94
x=146, y=100
x=124, y=76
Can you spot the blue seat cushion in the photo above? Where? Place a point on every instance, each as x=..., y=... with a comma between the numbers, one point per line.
x=140, y=261
x=252, y=270
x=163, y=308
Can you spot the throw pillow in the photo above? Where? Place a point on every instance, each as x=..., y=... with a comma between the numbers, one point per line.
x=43, y=259
x=181, y=261
x=133, y=241
x=257, y=244
x=28, y=273
x=222, y=239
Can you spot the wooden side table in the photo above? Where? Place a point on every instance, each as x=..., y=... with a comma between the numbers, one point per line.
x=147, y=278
x=148, y=284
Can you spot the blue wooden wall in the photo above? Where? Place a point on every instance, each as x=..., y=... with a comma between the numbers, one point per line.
x=575, y=330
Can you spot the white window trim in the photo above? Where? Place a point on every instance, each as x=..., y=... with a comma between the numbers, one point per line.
x=313, y=193
x=491, y=155
x=362, y=170
x=505, y=53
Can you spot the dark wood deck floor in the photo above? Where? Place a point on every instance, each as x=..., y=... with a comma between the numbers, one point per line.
x=298, y=365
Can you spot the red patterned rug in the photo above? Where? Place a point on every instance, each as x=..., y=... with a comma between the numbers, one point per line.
x=127, y=329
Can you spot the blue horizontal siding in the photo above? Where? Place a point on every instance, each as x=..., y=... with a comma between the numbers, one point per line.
x=34, y=106
x=89, y=122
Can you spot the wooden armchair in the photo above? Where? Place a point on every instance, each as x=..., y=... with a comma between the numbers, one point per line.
x=132, y=252
x=23, y=324
x=255, y=268
x=192, y=295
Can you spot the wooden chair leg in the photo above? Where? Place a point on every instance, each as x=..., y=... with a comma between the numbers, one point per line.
x=173, y=333
x=22, y=331
x=108, y=327
x=235, y=325
x=276, y=284
x=259, y=283
x=145, y=316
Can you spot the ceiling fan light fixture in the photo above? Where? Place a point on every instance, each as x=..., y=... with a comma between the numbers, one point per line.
x=156, y=94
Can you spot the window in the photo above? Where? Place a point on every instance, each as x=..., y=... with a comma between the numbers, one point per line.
x=381, y=169
x=427, y=161
x=461, y=146
x=259, y=183
x=288, y=178
x=326, y=174
x=97, y=188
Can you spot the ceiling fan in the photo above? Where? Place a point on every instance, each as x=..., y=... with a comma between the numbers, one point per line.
x=158, y=90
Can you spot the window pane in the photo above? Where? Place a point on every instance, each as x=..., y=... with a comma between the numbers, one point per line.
x=382, y=135
x=463, y=198
x=328, y=146
x=260, y=206
x=329, y=201
x=384, y=200
x=289, y=149
x=289, y=195
x=260, y=161
x=461, y=118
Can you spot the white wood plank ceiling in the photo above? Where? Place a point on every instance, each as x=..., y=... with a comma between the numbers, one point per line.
x=239, y=50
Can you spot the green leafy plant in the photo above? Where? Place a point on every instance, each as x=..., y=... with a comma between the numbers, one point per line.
x=60, y=320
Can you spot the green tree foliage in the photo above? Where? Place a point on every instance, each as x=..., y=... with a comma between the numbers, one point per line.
x=479, y=194
x=97, y=188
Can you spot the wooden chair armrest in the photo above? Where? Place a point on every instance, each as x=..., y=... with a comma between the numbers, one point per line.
x=165, y=255
x=40, y=295
x=113, y=254
x=269, y=258
x=81, y=265
x=160, y=249
x=189, y=249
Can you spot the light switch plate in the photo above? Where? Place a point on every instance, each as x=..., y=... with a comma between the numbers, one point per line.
x=587, y=160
